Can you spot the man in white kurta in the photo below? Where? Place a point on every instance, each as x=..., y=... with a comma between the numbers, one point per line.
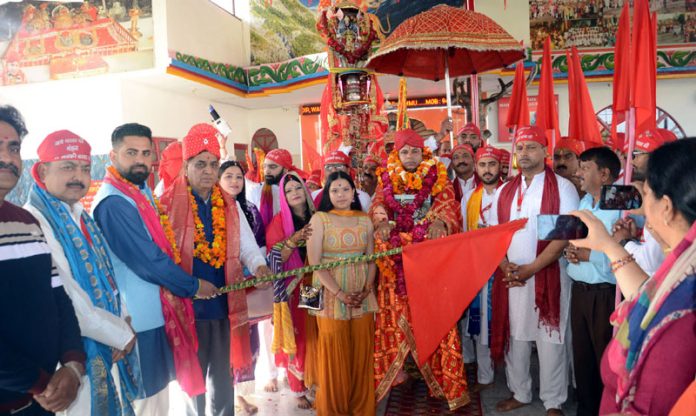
x=476, y=213
x=68, y=180
x=525, y=326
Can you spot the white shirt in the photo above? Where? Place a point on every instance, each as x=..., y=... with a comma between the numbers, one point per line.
x=250, y=254
x=253, y=194
x=95, y=323
x=466, y=185
x=486, y=200
x=648, y=255
x=364, y=198
x=524, y=318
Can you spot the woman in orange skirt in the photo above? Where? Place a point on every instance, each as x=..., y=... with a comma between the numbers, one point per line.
x=345, y=345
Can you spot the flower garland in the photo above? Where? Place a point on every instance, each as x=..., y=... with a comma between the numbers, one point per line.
x=426, y=181
x=351, y=57
x=163, y=217
x=214, y=253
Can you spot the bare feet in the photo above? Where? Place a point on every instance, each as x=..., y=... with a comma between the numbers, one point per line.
x=509, y=404
x=272, y=386
x=247, y=407
x=303, y=402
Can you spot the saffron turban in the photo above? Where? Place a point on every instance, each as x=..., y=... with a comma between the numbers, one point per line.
x=651, y=139
x=201, y=138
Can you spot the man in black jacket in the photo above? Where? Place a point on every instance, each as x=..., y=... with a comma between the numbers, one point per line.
x=38, y=327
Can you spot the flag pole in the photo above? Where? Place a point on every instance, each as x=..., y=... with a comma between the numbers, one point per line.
x=448, y=91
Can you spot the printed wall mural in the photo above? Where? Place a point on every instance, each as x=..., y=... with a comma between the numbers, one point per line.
x=41, y=40
x=593, y=23
x=286, y=29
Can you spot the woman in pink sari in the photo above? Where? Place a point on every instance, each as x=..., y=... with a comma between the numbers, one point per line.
x=652, y=358
x=286, y=237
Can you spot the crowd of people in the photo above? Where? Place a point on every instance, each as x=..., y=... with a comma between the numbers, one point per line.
x=102, y=310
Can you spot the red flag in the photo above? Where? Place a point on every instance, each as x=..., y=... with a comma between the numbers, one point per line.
x=622, y=74
x=439, y=290
x=644, y=66
x=582, y=124
x=518, y=113
x=547, y=114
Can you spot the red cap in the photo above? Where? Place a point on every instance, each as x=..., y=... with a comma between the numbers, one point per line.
x=170, y=164
x=371, y=159
x=531, y=134
x=315, y=178
x=504, y=156
x=201, y=138
x=574, y=145
x=651, y=139
x=280, y=156
x=64, y=145
x=463, y=146
x=408, y=137
x=470, y=128
x=488, y=151
x=337, y=158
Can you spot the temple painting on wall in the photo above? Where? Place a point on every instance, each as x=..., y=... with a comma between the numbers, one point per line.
x=593, y=23
x=286, y=29
x=41, y=41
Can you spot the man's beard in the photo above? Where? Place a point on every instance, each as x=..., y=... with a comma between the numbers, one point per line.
x=137, y=178
x=272, y=180
x=493, y=179
x=638, y=175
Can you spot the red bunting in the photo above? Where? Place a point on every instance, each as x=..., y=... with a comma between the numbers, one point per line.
x=622, y=74
x=547, y=113
x=518, y=113
x=644, y=67
x=444, y=275
x=582, y=124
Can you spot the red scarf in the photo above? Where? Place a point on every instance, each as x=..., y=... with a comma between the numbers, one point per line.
x=179, y=321
x=547, y=297
x=266, y=208
x=176, y=202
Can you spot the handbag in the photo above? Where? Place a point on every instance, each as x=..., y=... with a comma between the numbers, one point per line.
x=311, y=298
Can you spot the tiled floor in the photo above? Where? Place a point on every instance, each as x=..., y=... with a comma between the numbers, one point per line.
x=283, y=403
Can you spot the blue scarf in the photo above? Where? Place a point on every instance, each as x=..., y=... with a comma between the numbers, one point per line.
x=92, y=270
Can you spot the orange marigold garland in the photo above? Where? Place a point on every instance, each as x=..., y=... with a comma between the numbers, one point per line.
x=213, y=253
x=163, y=217
x=412, y=182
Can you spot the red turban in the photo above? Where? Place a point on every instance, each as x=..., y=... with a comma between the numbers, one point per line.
x=408, y=137
x=651, y=139
x=281, y=157
x=371, y=159
x=573, y=145
x=61, y=145
x=337, y=158
x=531, y=134
x=487, y=151
x=201, y=138
x=315, y=178
x=470, y=128
x=463, y=146
x=170, y=164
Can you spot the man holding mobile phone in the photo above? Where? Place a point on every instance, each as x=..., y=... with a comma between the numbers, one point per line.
x=594, y=285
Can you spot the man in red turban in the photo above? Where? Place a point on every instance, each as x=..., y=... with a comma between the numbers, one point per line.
x=463, y=166
x=470, y=134
x=368, y=174
x=418, y=198
x=339, y=161
x=566, y=159
x=214, y=240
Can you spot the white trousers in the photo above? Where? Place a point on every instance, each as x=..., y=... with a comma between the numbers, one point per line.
x=266, y=369
x=468, y=349
x=157, y=405
x=484, y=373
x=553, y=372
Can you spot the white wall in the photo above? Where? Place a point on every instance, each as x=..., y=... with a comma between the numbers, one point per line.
x=514, y=19
x=202, y=29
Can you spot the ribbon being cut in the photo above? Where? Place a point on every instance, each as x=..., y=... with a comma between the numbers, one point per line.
x=438, y=290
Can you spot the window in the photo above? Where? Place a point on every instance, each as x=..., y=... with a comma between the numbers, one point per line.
x=663, y=118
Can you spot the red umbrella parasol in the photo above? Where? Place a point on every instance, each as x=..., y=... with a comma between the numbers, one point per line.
x=445, y=41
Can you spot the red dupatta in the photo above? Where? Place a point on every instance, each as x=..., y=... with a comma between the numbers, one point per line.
x=179, y=321
x=177, y=203
x=547, y=281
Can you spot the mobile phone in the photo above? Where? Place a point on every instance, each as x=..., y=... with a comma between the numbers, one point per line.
x=620, y=197
x=560, y=227
x=220, y=124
